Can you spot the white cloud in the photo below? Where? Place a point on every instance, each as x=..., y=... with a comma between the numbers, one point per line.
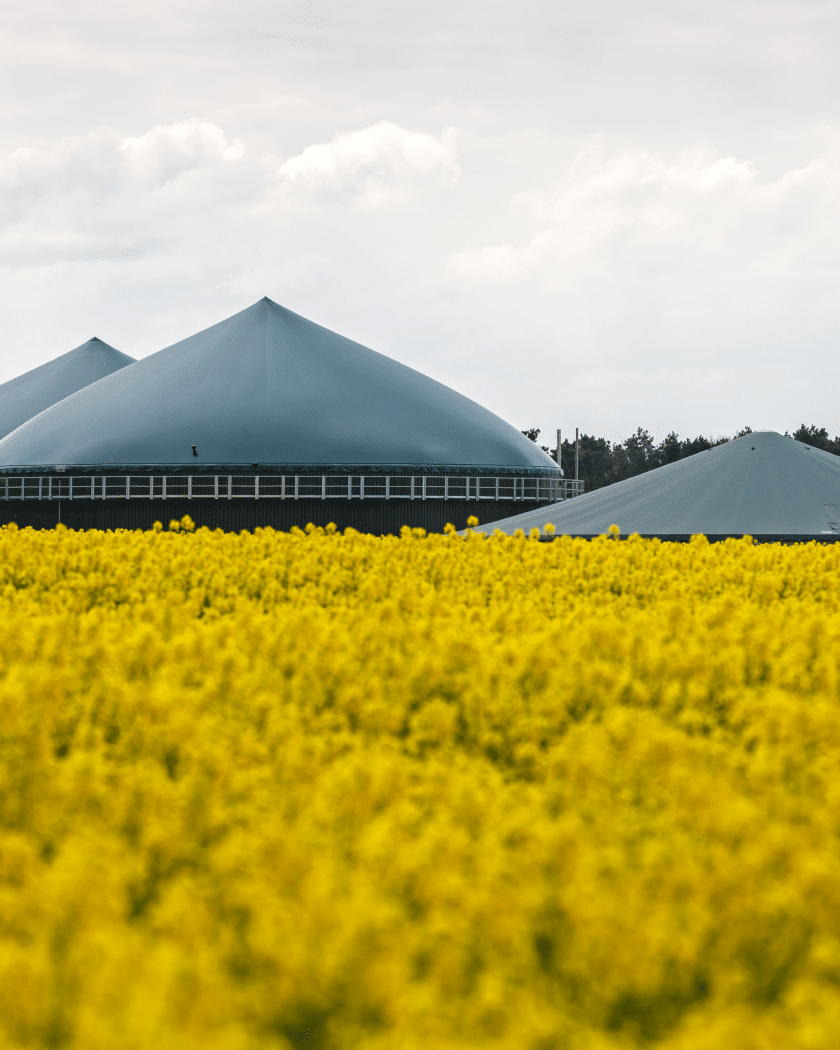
x=103, y=196
x=169, y=150
x=90, y=161
x=636, y=211
x=102, y=162
x=373, y=165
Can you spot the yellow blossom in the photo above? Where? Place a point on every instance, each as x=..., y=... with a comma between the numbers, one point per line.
x=292, y=789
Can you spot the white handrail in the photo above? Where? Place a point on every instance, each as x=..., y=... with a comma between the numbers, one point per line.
x=268, y=486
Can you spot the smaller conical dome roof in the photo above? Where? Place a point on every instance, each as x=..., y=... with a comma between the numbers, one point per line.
x=762, y=484
x=31, y=393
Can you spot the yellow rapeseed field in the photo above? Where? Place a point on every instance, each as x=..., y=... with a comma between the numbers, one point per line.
x=271, y=790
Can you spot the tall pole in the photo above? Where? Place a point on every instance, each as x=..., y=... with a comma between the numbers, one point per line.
x=558, y=457
x=577, y=454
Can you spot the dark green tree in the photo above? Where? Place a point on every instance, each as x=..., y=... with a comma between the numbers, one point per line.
x=817, y=437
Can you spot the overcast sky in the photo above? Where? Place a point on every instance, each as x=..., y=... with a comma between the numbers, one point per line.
x=594, y=213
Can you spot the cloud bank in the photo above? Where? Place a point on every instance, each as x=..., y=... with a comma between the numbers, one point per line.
x=635, y=224
x=641, y=213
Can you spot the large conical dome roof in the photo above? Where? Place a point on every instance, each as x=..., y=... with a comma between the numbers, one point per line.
x=762, y=484
x=268, y=386
x=31, y=393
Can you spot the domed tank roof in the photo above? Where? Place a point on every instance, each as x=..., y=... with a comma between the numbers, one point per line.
x=268, y=386
x=762, y=484
x=31, y=393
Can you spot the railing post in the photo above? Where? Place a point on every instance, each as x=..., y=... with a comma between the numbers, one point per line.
x=323, y=486
x=189, y=486
x=256, y=486
x=230, y=486
x=387, y=486
x=297, y=486
x=349, y=486
x=215, y=486
x=361, y=486
x=424, y=486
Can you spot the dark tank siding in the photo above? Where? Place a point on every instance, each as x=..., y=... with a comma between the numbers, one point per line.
x=380, y=518
x=372, y=502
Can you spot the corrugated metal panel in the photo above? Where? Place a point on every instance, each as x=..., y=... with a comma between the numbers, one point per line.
x=377, y=517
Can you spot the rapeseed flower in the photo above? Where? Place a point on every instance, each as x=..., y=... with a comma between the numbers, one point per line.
x=313, y=789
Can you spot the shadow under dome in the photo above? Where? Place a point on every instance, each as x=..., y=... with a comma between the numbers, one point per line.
x=268, y=386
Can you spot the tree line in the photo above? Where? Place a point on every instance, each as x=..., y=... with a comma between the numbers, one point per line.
x=604, y=462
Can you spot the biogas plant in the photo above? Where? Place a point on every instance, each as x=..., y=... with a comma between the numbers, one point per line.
x=263, y=419
x=269, y=419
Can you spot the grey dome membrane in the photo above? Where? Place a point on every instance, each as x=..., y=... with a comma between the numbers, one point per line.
x=31, y=393
x=268, y=386
x=762, y=484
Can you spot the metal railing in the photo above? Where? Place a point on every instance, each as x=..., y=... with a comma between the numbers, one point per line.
x=286, y=486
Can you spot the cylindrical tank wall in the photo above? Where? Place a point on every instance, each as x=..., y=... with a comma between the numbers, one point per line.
x=376, y=516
